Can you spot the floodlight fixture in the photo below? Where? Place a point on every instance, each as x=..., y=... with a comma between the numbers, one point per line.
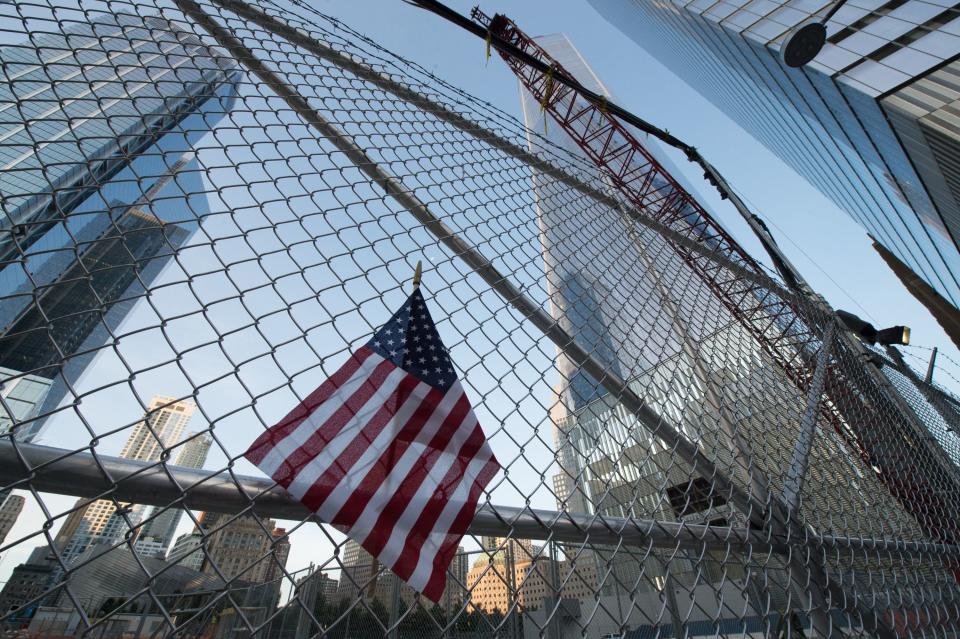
x=894, y=335
x=868, y=333
x=805, y=41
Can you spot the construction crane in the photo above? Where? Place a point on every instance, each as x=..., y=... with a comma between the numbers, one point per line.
x=877, y=429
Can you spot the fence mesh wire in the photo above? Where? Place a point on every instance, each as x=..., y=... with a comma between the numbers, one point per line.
x=185, y=256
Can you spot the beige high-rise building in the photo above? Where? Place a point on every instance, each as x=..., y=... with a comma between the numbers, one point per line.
x=250, y=549
x=532, y=582
x=492, y=588
x=160, y=526
x=160, y=429
x=9, y=511
x=100, y=521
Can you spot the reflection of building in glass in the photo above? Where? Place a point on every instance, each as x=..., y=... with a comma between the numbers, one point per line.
x=100, y=185
x=22, y=397
x=872, y=122
x=581, y=314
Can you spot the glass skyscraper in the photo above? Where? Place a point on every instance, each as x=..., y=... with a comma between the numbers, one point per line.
x=873, y=122
x=622, y=312
x=628, y=297
x=622, y=326
x=98, y=184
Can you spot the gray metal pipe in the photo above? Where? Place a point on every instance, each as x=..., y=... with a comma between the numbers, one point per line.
x=76, y=473
x=68, y=472
x=808, y=426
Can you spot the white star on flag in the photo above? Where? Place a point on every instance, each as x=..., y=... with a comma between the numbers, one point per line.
x=390, y=453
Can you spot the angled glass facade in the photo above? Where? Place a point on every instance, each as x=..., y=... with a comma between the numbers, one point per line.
x=98, y=181
x=871, y=122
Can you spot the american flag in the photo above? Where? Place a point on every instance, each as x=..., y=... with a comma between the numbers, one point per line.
x=389, y=450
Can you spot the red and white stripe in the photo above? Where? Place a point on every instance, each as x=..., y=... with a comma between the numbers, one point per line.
x=394, y=462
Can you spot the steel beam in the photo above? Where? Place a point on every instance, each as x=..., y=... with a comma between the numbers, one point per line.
x=931, y=366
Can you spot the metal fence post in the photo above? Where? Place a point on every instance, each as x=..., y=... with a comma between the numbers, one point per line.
x=394, y=632
x=555, y=589
x=307, y=599
x=926, y=388
x=931, y=366
x=808, y=425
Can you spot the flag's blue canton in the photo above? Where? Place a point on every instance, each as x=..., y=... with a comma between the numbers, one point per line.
x=410, y=340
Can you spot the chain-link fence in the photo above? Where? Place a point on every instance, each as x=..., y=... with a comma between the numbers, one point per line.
x=207, y=207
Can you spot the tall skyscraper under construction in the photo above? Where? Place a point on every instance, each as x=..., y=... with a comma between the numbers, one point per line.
x=100, y=186
x=611, y=321
x=700, y=368
x=872, y=122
